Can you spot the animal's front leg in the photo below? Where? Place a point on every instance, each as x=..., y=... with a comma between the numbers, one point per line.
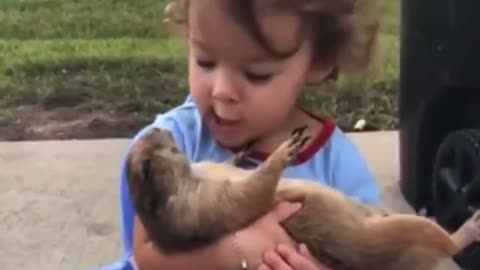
x=256, y=193
x=238, y=157
x=286, y=152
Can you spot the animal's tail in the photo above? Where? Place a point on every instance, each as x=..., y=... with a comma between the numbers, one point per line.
x=392, y=236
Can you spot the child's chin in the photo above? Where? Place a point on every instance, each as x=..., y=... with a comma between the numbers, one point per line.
x=231, y=142
x=227, y=138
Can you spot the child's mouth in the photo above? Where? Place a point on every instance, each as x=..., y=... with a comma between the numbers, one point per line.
x=224, y=122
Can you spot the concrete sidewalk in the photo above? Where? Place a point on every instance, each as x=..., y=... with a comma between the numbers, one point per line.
x=58, y=199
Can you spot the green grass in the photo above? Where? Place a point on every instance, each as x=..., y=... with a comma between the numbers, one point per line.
x=84, y=19
x=115, y=55
x=119, y=74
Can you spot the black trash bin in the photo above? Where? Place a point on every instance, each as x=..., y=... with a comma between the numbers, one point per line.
x=440, y=112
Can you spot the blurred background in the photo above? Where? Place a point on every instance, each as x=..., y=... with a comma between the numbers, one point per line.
x=104, y=68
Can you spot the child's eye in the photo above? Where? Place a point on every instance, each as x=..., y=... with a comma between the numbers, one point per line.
x=206, y=64
x=258, y=78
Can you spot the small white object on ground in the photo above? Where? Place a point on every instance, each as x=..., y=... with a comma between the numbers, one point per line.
x=360, y=124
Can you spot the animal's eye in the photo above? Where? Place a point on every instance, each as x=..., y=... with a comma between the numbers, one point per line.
x=174, y=150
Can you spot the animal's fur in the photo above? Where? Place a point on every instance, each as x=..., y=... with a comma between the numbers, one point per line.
x=185, y=206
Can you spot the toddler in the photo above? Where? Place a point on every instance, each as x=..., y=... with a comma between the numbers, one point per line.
x=248, y=62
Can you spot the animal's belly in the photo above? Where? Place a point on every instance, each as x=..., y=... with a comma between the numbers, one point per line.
x=218, y=172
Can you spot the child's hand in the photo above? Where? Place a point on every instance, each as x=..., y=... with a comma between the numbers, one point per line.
x=253, y=241
x=287, y=258
x=264, y=234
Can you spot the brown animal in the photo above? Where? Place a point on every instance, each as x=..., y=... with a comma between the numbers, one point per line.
x=185, y=206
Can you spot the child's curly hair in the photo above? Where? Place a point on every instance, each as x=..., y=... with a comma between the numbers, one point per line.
x=342, y=32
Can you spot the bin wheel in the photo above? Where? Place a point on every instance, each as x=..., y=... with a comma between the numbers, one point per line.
x=456, y=187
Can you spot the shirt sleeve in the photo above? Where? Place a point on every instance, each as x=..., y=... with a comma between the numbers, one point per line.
x=350, y=172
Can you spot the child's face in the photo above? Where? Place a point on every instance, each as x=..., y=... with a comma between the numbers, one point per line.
x=241, y=91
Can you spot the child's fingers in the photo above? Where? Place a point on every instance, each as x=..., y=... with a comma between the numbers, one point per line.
x=263, y=267
x=275, y=262
x=295, y=259
x=302, y=259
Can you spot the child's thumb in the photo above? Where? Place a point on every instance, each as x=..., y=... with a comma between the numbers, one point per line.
x=283, y=210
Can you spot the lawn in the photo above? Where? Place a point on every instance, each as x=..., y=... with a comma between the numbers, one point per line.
x=90, y=68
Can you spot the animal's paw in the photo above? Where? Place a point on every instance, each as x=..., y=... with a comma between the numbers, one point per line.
x=296, y=142
x=471, y=227
x=288, y=150
x=240, y=156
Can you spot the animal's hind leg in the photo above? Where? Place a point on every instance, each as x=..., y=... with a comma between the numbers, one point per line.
x=469, y=232
x=415, y=258
x=370, y=210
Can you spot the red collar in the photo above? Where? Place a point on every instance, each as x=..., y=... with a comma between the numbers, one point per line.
x=315, y=144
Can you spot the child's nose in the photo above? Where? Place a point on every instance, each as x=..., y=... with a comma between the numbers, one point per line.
x=225, y=88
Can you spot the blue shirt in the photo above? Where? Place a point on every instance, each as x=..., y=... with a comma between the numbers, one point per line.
x=331, y=159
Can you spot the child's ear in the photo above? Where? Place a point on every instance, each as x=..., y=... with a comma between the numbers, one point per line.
x=319, y=73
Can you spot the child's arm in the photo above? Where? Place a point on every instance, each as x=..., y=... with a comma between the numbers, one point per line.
x=251, y=242
x=215, y=256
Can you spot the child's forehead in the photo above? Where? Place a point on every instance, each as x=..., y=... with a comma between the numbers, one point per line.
x=212, y=25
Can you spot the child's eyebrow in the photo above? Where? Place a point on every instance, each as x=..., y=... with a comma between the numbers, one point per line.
x=199, y=43
x=264, y=58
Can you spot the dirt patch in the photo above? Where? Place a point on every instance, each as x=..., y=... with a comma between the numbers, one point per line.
x=33, y=122
x=92, y=99
x=87, y=98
